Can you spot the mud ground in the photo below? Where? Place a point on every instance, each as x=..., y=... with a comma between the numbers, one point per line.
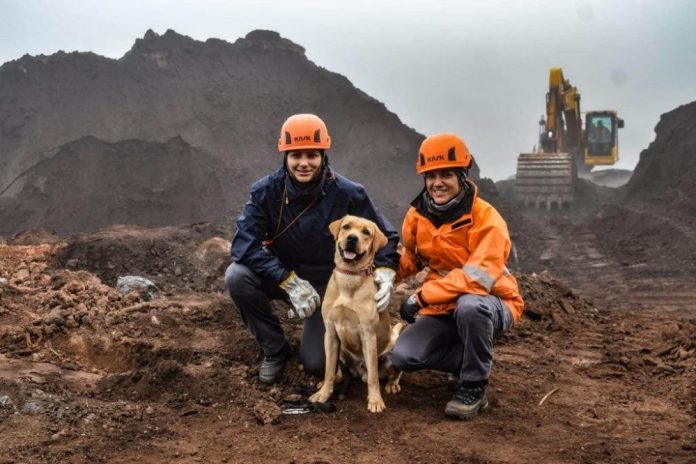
x=90, y=375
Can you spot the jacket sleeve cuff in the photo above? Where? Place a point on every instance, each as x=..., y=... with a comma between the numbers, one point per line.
x=421, y=301
x=284, y=278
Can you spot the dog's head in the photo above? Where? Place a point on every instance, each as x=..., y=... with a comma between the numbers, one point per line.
x=357, y=241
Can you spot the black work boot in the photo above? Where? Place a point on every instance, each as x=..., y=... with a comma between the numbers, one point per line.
x=468, y=401
x=272, y=366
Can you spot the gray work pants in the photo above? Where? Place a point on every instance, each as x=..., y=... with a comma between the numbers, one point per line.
x=251, y=295
x=460, y=342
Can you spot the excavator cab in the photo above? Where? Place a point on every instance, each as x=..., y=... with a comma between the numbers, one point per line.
x=602, y=138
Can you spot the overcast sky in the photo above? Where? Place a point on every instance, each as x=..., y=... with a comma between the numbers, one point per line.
x=476, y=68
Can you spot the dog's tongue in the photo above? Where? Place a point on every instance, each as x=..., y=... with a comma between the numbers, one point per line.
x=349, y=254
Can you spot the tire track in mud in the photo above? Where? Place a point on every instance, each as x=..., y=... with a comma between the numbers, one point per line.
x=574, y=254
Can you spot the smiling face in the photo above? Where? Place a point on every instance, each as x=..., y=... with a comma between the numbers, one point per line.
x=357, y=241
x=442, y=185
x=304, y=165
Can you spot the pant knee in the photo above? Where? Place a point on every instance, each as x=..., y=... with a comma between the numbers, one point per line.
x=471, y=309
x=238, y=279
x=404, y=359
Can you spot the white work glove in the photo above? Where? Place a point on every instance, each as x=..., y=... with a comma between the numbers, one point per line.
x=305, y=300
x=384, y=278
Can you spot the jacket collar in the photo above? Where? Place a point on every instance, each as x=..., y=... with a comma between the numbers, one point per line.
x=419, y=203
x=327, y=177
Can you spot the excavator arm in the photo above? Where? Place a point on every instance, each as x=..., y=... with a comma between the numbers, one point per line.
x=563, y=120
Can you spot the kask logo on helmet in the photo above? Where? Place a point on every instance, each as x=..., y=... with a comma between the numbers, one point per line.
x=430, y=159
x=302, y=138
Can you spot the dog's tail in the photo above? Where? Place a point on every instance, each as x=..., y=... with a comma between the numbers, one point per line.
x=396, y=330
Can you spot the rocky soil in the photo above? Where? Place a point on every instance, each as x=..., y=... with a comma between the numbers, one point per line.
x=89, y=374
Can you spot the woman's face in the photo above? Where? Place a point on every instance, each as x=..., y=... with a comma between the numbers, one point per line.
x=442, y=185
x=304, y=165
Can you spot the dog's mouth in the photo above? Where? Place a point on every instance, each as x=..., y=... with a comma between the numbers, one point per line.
x=350, y=256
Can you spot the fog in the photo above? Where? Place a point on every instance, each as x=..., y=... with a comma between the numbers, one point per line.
x=477, y=68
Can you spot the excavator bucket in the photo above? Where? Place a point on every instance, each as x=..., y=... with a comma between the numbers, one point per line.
x=545, y=180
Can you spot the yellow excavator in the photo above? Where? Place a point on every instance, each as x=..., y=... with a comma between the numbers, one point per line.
x=546, y=178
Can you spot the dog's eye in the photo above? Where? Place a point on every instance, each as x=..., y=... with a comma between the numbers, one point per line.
x=345, y=226
x=366, y=232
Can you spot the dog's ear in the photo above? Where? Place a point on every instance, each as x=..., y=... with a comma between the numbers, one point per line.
x=380, y=240
x=335, y=227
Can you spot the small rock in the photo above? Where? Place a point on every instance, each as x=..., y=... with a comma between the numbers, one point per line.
x=21, y=275
x=72, y=263
x=31, y=407
x=69, y=365
x=3, y=282
x=177, y=271
x=59, y=434
x=146, y=288
x=5, y=401
x=56, y=316
x=71, y=323
x=267, y=412
x=50, y=329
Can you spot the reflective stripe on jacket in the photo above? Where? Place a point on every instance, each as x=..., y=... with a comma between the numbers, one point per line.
x=465, y=255
x=307, y=246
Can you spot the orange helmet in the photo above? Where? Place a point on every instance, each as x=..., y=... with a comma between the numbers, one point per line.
x=303, y=131
x=442, y=151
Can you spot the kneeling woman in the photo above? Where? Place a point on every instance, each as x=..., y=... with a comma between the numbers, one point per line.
x=468, y=297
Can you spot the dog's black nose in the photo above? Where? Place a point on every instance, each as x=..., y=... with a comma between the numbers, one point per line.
x=351, y=240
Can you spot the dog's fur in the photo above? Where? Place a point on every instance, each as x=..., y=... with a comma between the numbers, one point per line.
x=350, y=314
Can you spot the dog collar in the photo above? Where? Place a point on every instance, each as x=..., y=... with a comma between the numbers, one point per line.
x=368, y=271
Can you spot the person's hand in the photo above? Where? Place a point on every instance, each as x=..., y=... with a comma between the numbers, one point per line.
x=305, y=300
x=409, y=309
x=384, y=278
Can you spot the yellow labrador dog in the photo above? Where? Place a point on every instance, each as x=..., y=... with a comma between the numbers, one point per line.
x=353, y=325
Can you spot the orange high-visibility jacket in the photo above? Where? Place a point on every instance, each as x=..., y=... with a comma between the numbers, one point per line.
x=466, y=255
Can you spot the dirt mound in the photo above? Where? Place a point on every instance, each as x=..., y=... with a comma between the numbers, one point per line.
x=638, y=234
x=666, y=171
x=224, y=100
x=191, y=257
x=89, y=374
x=89, y=184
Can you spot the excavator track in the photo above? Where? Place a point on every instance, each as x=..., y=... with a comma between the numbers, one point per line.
x=545, y=180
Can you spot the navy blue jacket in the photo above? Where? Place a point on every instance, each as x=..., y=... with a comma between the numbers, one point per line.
x=307, y=246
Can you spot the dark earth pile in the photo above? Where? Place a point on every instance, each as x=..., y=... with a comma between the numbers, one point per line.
x=91, y=184
x=223, y=104
x=666, y=173
x=655, y=223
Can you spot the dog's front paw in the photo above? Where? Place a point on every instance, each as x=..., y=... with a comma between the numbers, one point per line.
x=322, y=396
x=392, y=387
x=376, y=404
